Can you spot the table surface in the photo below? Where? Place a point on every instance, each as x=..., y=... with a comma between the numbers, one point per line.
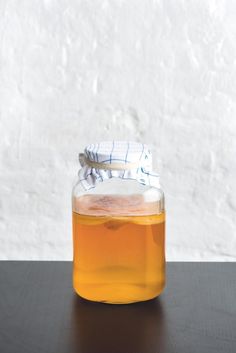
x=40, y=313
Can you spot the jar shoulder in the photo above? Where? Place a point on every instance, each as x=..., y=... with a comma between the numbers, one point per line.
x=119, y=196
x=118, y=186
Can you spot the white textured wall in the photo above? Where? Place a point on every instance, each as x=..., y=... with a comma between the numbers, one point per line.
x=161, y=72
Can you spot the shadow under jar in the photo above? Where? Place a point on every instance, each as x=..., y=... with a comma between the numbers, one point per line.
x=118, y=225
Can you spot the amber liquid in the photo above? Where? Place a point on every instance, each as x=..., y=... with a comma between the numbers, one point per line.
x=119, y=259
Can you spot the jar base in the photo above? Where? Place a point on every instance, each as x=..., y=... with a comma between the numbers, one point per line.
x=119, y=294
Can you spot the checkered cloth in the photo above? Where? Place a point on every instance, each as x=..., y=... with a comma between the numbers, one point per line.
x=120, y=154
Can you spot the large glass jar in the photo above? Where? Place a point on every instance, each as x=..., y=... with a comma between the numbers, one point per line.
x=118, y=225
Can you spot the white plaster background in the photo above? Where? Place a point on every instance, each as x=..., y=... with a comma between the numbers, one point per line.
x=160, y=72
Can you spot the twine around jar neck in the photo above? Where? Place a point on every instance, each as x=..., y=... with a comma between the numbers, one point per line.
x=111, y=166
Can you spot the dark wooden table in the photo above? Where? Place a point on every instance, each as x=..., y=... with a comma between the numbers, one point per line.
x=39, y=313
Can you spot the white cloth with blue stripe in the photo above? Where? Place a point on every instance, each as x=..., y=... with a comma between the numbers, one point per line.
x=116, y=159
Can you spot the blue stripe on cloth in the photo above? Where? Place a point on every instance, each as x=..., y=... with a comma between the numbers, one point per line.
x=97, y=160
x=113, y=144
x=127, y=151
x=140, y=157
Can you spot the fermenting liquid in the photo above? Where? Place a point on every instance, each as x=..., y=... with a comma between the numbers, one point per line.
x=118, y=259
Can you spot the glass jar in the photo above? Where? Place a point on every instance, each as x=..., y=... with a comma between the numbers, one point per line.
x=118, y=224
